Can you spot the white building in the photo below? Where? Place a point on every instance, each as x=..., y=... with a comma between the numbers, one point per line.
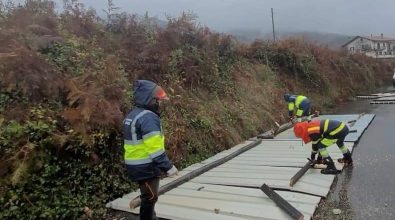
x=373, y=46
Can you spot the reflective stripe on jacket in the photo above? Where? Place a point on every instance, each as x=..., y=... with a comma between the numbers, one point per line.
x=325, y=129
x=144, y=142
x=297, y=103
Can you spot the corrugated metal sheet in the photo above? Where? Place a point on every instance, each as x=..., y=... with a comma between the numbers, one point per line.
x=382, y=102
x=205, y=201
x=361, y=124
x=231, y=190
x=384, y=94
x=377, y=95
x=273, y=163
x=388, y=98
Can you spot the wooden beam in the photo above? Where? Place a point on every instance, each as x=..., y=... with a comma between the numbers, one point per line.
x=273, y=132
x=267, y=135
x=300, y=173
x=282, y=203
x=280, y=128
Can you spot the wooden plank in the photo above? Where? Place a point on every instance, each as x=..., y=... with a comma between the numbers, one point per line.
x=267, y=135
x=273, y=132
x=301, y=172
x=163, y=189
x=282, y=203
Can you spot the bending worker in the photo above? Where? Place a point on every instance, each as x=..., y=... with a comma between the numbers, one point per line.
x=322, y=134
x=299, y=106
x=144, y=145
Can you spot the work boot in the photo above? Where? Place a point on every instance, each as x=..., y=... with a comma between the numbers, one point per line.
x=330, y=168
x=347, y=160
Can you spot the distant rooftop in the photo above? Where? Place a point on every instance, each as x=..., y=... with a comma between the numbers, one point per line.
x=372, y=38
x=378, y=38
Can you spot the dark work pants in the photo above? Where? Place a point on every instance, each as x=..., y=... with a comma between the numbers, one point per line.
x=149, y=195
x=306, y=109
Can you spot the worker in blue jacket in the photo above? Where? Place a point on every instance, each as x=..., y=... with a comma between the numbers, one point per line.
x=144, y=145
x=299, y=106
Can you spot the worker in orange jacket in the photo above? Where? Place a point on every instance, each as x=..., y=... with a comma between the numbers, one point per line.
x=322, y=134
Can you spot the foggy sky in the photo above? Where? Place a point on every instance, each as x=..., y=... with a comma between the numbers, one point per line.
x=352, y=17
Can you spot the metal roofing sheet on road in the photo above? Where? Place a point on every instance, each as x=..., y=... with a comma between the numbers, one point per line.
x=231, y=191
x=205, y=201
x=273, y=163
x=289, y=153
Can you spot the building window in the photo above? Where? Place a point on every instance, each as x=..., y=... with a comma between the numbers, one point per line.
x=366, y=47
x=380, y=53
x=378, y=45
x=385, y=53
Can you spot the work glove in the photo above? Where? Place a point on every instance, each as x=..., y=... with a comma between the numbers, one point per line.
x=172, y=172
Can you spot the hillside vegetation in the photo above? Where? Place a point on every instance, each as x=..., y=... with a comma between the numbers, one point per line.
x=66, y=83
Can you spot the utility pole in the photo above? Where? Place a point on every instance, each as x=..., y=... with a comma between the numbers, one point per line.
x=274, y=34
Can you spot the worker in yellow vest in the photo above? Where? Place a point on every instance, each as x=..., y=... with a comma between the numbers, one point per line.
x=299, y=106
x=322, y=134
x=144, y=145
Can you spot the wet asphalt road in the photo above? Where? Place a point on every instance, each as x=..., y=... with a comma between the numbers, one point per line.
x=372, y=186
x=367, y=190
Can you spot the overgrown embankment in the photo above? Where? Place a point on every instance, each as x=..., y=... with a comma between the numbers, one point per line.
x=65, y=86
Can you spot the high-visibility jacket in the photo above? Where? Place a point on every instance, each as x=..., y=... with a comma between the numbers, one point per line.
x=144, y=142
x=297, y=104
x=325, y=132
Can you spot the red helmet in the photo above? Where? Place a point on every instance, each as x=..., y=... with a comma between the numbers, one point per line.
x=160, y=94
x=300, y=130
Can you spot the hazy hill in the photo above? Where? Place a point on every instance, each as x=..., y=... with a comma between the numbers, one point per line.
x=333, y=40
